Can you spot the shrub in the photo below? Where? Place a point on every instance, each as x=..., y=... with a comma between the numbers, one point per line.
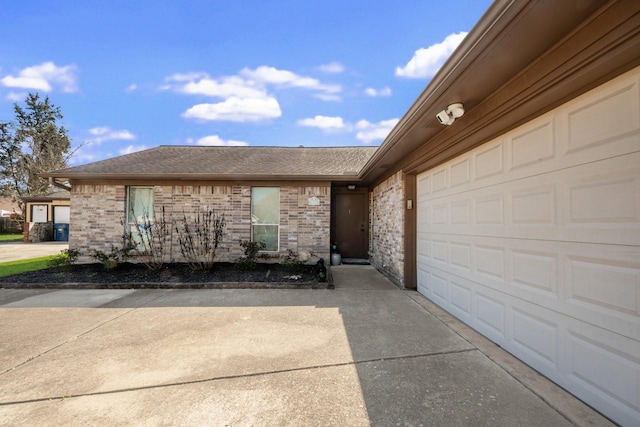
x=117, y=255
x=65, y=259
x=293, y=261
x=199, y=237
x=251, y=254
x=150, y=239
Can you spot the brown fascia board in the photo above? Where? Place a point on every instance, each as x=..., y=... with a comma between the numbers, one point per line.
x=505, y=25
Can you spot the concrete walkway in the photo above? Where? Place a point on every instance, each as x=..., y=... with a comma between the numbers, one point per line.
x=14, y=251
x=363, y=354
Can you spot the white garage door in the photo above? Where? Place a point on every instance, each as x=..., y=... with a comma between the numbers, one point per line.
x=533, y=239
x=61, y=214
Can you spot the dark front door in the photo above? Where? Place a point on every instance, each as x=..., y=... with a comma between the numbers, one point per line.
x=351, y=229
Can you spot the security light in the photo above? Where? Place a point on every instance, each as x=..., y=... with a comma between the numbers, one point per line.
x=452, y=112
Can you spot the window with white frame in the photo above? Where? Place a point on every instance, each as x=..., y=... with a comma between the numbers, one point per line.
x=139, y=212
x=265, y=216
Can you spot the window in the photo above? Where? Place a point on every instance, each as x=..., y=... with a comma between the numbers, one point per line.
x=139, y=212
x=265, y=216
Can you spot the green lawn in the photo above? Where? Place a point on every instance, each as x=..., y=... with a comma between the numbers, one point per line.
x=10, y=237
x=24, y=265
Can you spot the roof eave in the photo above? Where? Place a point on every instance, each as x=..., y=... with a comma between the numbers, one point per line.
x=507, y=71
x=200, y=177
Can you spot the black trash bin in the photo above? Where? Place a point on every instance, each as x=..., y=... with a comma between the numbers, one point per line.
x=61, y=232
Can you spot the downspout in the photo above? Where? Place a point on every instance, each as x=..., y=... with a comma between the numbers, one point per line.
x=55, y=183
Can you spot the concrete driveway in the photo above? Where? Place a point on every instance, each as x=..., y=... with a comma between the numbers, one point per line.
x=13, y=251
x=363, y=354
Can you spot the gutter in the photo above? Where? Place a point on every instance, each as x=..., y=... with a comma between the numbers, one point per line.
x=57, y=184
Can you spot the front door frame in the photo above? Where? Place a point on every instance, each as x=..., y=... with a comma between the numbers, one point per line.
x=358, y=190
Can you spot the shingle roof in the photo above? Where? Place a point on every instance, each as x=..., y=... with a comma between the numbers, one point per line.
x=55, y=195
x=227, y=163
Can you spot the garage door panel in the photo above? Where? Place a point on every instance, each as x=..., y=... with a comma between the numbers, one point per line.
x=424, y=280
x=602, y=117
x=487, y=162
x=597, y=284
x=534, y=205
x=460, y=255
x=490, y=262
x=535, y=271
x=598, y=202
x=532, y=144
x=460, y=297
x=603, y=284
x=490, y=313
x=536, y=336
x=489, y=212
x=606, y=366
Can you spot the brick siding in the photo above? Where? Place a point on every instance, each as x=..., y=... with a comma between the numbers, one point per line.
x=98, y=213
x=387, y=228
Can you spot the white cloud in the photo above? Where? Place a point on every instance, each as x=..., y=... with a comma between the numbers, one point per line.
x=332, y=68
x=44, y=77
x=132, y=87
x=385, y=91
x=215, y=140
x=81, y=157
x=368, y=132
x=323, y=122
x=427, y=61
x=105, y=133
x=244, y=97
x=17, y=96
x=285, y=78
x=224, y=88
x=131, y=149
x=236, y=110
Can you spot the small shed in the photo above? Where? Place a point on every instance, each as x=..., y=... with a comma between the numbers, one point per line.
x=47, y=217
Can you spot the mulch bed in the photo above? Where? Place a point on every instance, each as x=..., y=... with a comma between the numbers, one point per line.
x=180, y=276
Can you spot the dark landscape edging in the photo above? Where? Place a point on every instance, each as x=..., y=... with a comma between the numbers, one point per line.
x=165, y=285
x=329, y=284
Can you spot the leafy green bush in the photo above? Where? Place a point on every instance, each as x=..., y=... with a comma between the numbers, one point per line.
x=65, y=259
x=117, y=255
x=251, y=254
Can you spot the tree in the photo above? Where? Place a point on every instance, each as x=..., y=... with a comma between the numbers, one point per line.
x=32, y=144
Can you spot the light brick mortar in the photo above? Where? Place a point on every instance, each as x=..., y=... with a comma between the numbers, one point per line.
x=387, y=228
x=98, y=212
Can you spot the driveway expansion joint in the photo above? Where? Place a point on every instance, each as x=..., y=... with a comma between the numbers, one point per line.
x=230, y=377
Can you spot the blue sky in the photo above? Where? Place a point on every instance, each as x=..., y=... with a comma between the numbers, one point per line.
x=134, y=75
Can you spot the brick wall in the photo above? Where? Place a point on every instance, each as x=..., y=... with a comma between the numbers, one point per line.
x=387, y=228
x=98, y=212
x=313, y=216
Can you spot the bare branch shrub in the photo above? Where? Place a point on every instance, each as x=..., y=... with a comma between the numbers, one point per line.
x=150, y=238
x=200, y=236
